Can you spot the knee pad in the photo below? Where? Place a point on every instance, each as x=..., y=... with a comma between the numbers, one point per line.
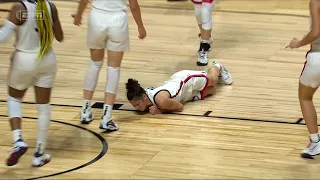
x=14, y=107
x=92, y=75
x=197, y=10
x=113, y=76
x=206, y=15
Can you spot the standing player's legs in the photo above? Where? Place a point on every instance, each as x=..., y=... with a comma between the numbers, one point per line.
x=96, y=42
x=309, y=83
x=15, y=115
x=117, y=43
x=44, y=82
x=203, y=10
x=20, y=77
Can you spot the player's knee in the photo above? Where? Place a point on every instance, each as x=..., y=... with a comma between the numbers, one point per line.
x=305, y=92
x=14, y=107
x=197, y=9
x=206, y=15
x=113, y=76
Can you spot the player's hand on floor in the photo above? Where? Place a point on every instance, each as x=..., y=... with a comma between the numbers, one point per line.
x=154, y=110
x=142, y=32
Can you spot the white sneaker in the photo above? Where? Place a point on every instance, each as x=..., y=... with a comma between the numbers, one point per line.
x=312, y=150
x=224, y=77
x=86, y=116
x=202, y=58
x=108, y=125
x=40, y=159
x=19, y=149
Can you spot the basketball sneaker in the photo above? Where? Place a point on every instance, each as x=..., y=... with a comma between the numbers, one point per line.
x=312, y=150
x=86, y=116
x=40, y=159
x=224, y=77
x=19, y=149
x=203, y=53
x=108, y=124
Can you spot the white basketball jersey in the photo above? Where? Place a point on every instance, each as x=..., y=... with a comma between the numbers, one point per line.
x=110, y=5
x=316, y=43
x=182, y=86
x=172, y=87
x=27, y=37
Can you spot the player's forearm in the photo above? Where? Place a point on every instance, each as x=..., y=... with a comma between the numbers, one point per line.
x=309, y=38
x=82, y=6
x=172, y=106
x=136, y=13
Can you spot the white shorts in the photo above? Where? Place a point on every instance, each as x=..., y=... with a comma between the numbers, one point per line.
x=108, y=30
x=192, y=85
x=25, y=72
x=310, y=75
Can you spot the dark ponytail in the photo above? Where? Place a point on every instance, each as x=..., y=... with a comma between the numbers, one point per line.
x=134, y=90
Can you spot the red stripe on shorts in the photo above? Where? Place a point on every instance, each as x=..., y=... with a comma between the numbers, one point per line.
x=305, y=63
x=188, y=78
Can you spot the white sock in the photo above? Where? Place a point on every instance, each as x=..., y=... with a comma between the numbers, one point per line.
x=314, y=137
x=44, y=116
x=86, y=104
x=16, y=134
x=107, y=110
x=204, y=41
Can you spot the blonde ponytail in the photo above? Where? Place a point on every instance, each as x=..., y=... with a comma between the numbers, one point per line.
x=44, y=28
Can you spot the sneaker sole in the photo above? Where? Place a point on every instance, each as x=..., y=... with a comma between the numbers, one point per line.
x=85, y=121
x=108, y=129
x=42, y=164
x=17, y=157
x=201, y=64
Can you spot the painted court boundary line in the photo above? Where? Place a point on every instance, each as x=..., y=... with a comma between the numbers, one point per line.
x=103, y=151
x=99, y=105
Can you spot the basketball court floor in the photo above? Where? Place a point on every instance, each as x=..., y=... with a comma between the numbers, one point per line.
x=252, y=129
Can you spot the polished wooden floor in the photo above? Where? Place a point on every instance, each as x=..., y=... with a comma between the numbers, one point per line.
x=251, y=132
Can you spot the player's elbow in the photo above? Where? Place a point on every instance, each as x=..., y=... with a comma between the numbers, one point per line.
x=59, y=37
x=6, y=30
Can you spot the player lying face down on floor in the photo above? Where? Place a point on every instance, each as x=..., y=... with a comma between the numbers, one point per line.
x=183, y=86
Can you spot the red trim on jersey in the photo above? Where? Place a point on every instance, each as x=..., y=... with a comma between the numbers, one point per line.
x=188, y=78
x=203, y=1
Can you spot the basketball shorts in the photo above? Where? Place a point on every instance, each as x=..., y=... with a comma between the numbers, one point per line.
x=25, y=72
x=310, y=75
x=192, y=85
x=108, y=30
x=202, y=1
